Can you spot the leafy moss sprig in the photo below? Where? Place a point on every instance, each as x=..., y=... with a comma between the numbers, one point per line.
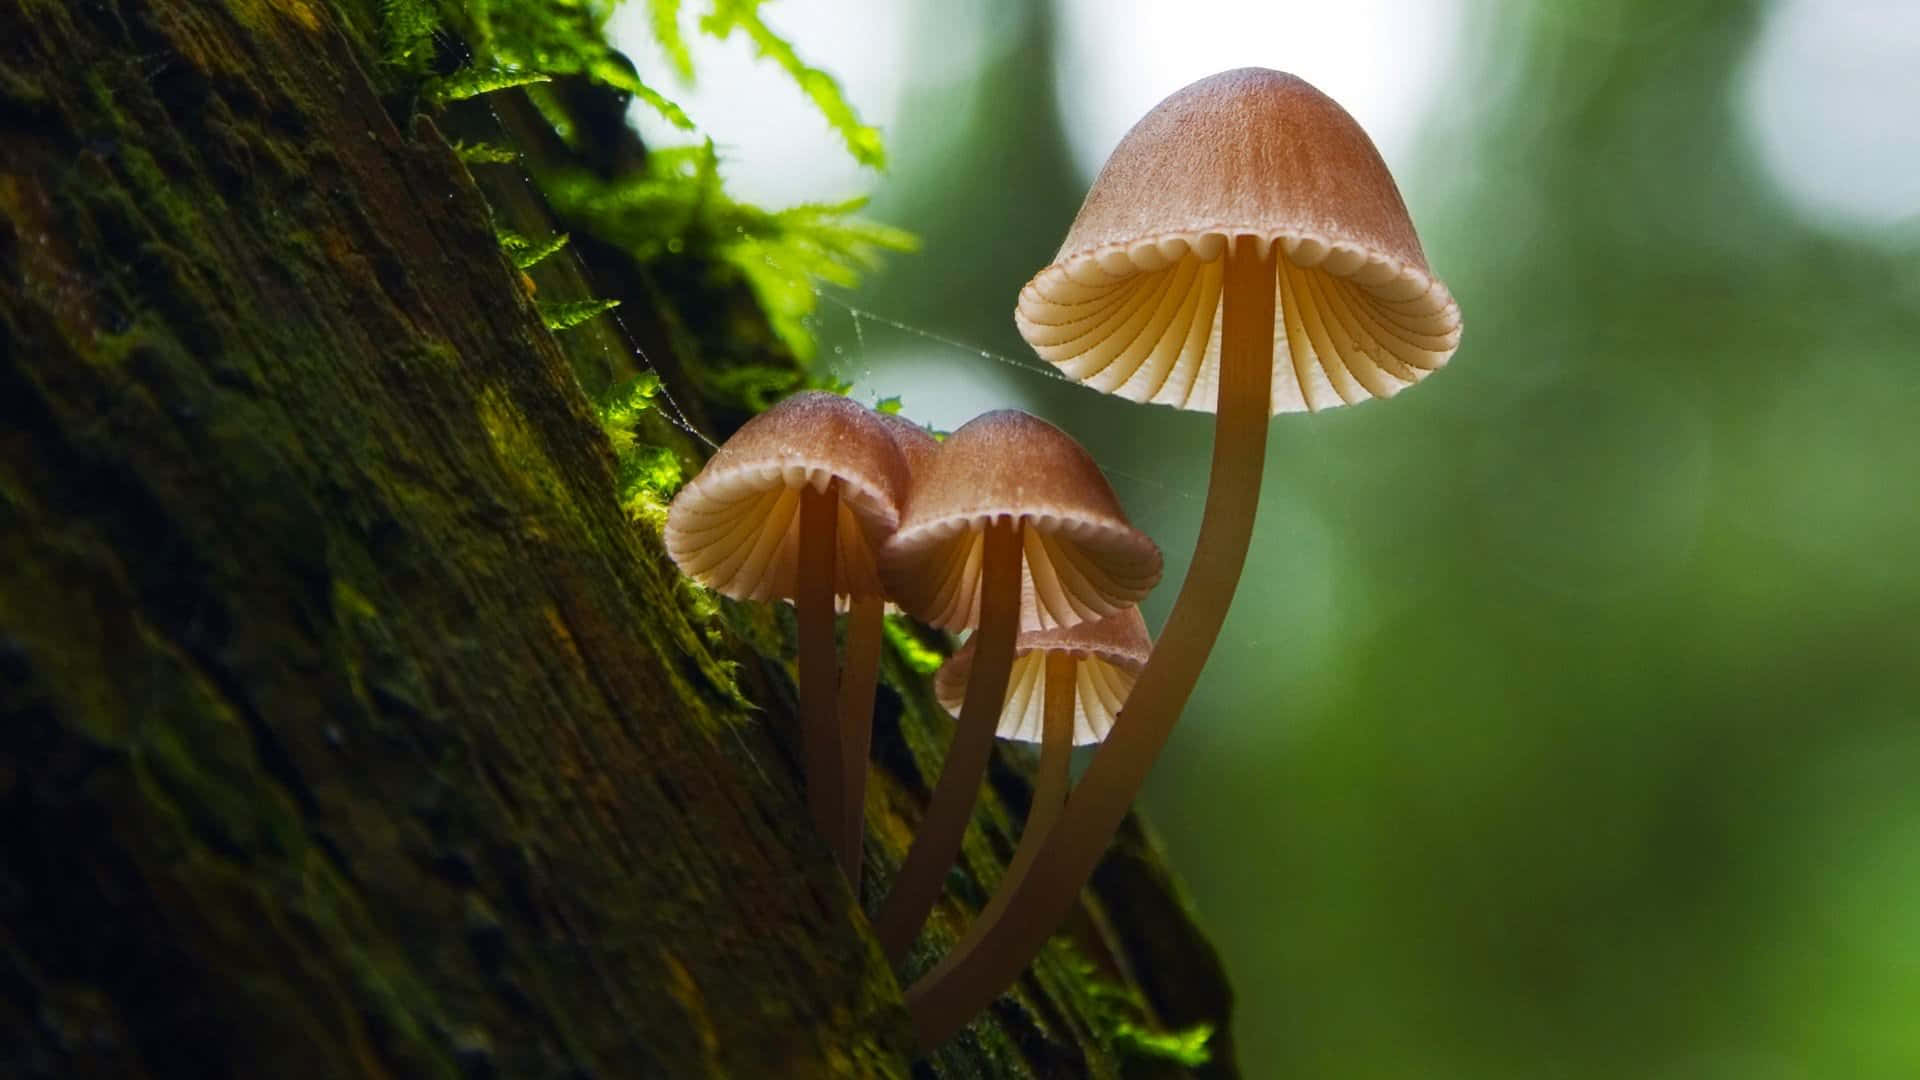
x=527, y=254
x=567, y=314
x=513, y=42
x=679, y=207
x=863, y=142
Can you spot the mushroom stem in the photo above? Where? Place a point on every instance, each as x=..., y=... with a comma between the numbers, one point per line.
x=866, y=626
x=1049, y=797
x=1037, y=902
x=813, y=611
x=937, y=843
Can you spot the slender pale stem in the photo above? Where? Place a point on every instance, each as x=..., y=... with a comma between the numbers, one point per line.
x=813, y=610
x=866, y=626
x=1049, y=796
x=937, y=843
x=1037, y=903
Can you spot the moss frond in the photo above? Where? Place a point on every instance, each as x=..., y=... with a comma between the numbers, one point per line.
x=863, y=141
x=623, y=404
x=664, y=18
x=527, y=254
x=679, y=207
x=406, y=29
x=916, y=655
x=648, y=477
x=567, y=314
x=1187, y=1047
x=1121, y=1015
x=471, y=82
x=514, y=41
x=485, y=154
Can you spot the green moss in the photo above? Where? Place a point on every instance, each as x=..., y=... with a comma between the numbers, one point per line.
x=516, y=444
x=348, y=601
x=485, y=153
x=473, y=82
x=527, y=254
x=743, y=16
x=1188, y=1046
x=678, y=208
x=567, y=314
x=915, y=655
x=196, y=758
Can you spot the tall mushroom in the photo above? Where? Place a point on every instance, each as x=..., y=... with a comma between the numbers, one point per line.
x=1009, y=505
x=794, y=507
x=1065, y=689
x=1245, y=226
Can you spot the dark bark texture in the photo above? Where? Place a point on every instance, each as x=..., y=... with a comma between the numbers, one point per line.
x=348, y=727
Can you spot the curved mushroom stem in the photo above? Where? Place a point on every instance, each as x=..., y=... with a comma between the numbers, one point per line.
x=813, y=611
x=866, y=628
x=1036, y=904
x=1049, y=797
x=937, y=843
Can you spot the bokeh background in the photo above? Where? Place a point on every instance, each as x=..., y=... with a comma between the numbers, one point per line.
x=1567, y=723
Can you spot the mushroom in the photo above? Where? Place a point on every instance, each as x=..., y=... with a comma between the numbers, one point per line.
x=1009, y=506
x=1065, y=689
x=1247, y=217
x=866, y=631
x=794, y=507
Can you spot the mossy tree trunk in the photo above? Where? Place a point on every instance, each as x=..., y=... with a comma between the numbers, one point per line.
x=347, y=725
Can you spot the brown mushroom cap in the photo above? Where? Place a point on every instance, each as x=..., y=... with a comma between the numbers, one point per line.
x=1109, y=652
x=734, y=528
x=1131, y=303
x=1083, y=559
x=916, y=443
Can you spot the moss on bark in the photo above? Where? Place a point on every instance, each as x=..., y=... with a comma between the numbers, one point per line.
x=348, y=726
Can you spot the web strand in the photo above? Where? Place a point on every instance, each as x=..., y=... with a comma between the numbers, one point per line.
x=860, y=316
x=673, y=413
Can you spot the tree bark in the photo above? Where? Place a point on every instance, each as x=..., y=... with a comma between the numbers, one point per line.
x=347, y=725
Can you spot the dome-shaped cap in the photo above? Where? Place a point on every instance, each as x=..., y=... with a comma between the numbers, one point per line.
x=1082, y=558
x=735, y=527
x=1131, y=305
x=916, y=443
x=1108, y=655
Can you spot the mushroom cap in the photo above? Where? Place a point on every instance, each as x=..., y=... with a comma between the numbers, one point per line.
x=735, y=527
x=1082, y=558
x=1131, y=304
x=916, y=443
x=1108, y=655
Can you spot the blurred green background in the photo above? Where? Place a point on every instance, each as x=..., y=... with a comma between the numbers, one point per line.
x=1567, y=723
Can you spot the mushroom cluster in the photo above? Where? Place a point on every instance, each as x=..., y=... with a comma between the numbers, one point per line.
x=1244, y=251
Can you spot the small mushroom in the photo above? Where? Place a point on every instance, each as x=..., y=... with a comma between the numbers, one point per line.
x=794, y=507
x=1245, y=229
x=866, y=632
x=1009, y=506
x=1065, y=690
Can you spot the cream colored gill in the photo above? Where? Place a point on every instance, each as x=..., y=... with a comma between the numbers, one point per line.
x=1144, y=323
x=748, y=546
x=1100, y=688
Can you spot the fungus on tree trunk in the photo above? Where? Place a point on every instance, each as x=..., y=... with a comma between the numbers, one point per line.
x=794, y=507
x=1010, y=507
x=1245, y=217
x=1066, y=688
